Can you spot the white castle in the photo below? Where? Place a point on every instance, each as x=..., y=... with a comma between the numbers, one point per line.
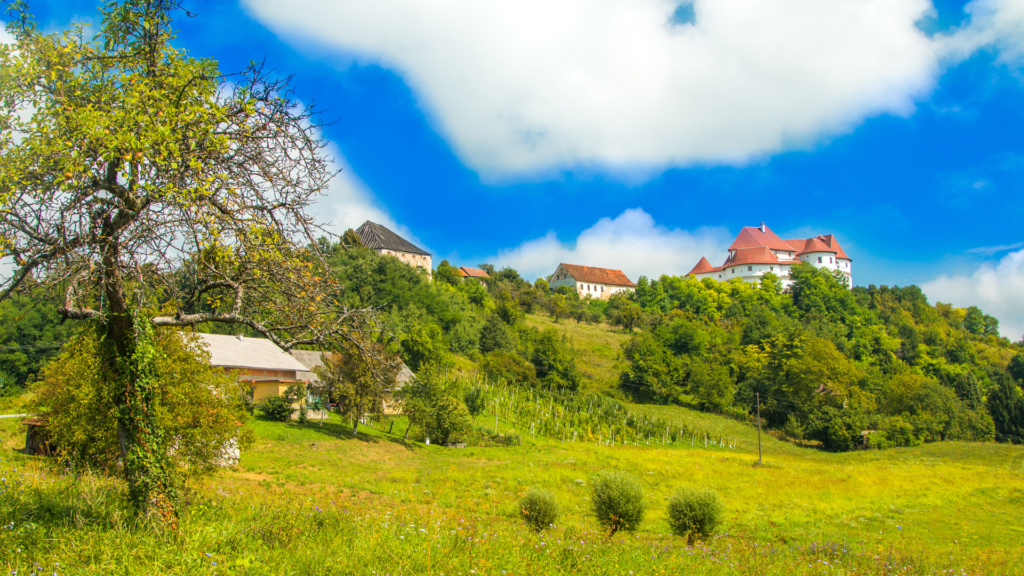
x=757, y=250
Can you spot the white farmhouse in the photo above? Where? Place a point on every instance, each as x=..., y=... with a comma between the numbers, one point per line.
x=757, y=250
x=591, y=281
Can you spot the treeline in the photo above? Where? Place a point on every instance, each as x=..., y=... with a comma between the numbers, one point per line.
x=873, y=366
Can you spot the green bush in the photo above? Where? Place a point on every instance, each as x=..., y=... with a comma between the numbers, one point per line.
x=475, y=401
x=618, y=501
x=276, y=408
x=694, y=513
x=539, y=509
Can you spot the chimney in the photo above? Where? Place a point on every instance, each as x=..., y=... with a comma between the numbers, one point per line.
x=762, y=227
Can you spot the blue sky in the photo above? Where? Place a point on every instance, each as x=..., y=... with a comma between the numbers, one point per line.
x=617, y=133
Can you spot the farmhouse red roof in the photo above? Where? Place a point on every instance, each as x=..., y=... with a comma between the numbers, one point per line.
x=598, y=275
x=473, y=272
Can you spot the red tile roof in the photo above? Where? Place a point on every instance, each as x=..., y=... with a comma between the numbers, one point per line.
x=598, y=275
x=702, y=267
x=473, y=272
x=752, y=237
x=754, y=246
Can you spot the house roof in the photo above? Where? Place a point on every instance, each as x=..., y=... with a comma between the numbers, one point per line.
x=702, y=267
x=378, y=237
x=313, y=358
x=244, y=352
x=598, y=275
x=473, y=272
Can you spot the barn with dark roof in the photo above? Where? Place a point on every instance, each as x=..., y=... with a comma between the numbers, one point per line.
x=384, y=241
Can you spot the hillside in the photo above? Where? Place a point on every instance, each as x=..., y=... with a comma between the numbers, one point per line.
x=599, y=347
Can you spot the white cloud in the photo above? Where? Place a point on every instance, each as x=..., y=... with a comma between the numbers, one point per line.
x=349, y=202
x=631, y=242
x=526, y=86
x=995, y=288
x=997, y=24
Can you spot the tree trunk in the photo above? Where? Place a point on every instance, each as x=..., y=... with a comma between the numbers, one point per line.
x=131, y=355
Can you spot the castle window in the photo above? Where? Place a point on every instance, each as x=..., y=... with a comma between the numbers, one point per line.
x=829, y=259
x=750, y=268
x=819, y=259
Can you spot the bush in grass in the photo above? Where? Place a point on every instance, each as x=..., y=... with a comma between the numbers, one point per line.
x=618, y=501
x=276, y=408
x=538, y=509
x=694, y=513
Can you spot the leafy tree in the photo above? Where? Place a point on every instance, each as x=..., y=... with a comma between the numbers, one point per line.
x=148, y=189
x=31, y=332
x=351, y=240
x=1006, y=405
x=1016, y=367
x=508, y=366
x=628, y=316
x=496, y=335
x=433, y=404
x=555, y=360
x=489, y=268
x=359, y=382
x=712, y=386
x=837, y=430
x=200, y=410
x=424, y=345
x=618, y=501
x=653, y=373
x=447, y=274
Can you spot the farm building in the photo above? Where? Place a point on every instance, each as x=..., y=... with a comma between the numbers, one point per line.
x=257, y=361
x=313, y=358
x=384, y=241
x=591, y=281
x=481, y=275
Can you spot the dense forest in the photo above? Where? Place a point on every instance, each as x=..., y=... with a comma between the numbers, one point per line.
x=873, y=366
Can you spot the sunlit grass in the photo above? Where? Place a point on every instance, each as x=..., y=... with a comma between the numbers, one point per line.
x=311, y=499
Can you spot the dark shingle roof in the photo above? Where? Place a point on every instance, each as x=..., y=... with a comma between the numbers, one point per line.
x=375, y=236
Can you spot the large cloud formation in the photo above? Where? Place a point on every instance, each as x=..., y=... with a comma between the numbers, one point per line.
x=524, y=86
x=996, y=288
x=631, y=242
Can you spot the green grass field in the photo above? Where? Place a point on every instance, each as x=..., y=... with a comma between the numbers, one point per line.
x=599, y=346
x=310, y=499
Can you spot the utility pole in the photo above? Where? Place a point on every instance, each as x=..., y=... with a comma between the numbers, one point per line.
x=758, y=427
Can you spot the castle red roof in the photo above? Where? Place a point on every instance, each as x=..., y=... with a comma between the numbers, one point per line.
x=598, y=275
x=702, y=267
x=753, y=237
x=754, y=245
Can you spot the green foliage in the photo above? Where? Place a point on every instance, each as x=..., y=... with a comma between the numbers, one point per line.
x=1006, y=404
x=351, y=240
x=1016, y=367
x=496, y=335
x=617, y=500
x=447, y=274
x=837, y=430
x=424, y=345
x=475, y=400
x=694, y=513
x=509, y=367
x=555, y=360
x=434, y=404
x=539, y=509
x=711, y=385
x=278, y=407
x=359, y=378
x=654, y=374
x=199, y=408
x=31, y=332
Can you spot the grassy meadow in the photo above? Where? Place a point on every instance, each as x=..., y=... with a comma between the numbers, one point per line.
x=310, y=499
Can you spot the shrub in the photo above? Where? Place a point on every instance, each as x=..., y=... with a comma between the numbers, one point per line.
x=475, y=401
x=538, y=509
x=694, y=513
x=276, y=408
x=618, y=501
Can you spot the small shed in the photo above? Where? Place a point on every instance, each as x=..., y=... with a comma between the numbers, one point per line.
x=37, y=438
